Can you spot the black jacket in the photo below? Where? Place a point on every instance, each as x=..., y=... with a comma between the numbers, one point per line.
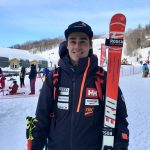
x=33, y=72
x=69, y=129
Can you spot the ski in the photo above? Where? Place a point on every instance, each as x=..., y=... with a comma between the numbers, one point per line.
x=18, y=93
x=115, y=43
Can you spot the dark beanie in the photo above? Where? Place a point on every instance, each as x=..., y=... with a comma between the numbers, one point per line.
x=79, y=27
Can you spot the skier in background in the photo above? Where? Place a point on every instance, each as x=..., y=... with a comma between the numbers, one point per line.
x=32, y=77
x=145, y=70
x=22, y=76
x=74, y=120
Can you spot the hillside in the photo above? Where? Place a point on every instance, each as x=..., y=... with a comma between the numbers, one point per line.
x=139, y=55
x=137, y=39
x=38, y=46
x=42, y=45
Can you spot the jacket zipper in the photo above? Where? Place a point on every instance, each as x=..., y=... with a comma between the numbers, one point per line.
x=72, y=114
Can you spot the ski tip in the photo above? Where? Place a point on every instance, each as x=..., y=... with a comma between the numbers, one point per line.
x=118, y=14
x=118, y=23
x=119, y=17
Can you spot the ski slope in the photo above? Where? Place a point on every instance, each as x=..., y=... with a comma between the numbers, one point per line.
x=137, y=97
x=13, y=113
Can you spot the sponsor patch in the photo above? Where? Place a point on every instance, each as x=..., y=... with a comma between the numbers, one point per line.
x=63, y=106
x=63, y=98
x=91, y=93
x=88, y=111
x=91, y=102
x=64, y=91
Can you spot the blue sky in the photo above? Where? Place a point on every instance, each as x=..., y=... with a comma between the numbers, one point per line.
x=27, y=20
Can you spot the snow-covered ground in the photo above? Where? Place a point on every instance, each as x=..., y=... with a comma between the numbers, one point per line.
x=13, y=113
x=137, y=94
x=15, y=109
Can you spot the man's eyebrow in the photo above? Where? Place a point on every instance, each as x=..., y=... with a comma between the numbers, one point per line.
x=83, y=38
x=72, y=38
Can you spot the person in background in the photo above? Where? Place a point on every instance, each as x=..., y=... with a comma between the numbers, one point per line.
x=32, y=77
x=46, y=72
x=39, y=72
x=145, y=70
x=147, y=61
x=14, y=88
x=73, y=117
x=1, y=71
x=22, y=76
x=2, y=79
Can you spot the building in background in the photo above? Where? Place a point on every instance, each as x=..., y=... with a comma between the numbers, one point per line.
x=16, y=58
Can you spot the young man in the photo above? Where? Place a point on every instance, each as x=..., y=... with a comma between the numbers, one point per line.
x=78, y=117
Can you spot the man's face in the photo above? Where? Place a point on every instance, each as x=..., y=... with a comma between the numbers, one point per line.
x=78, y=46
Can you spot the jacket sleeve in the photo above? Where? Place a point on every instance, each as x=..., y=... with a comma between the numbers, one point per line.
x=121, y=129
x=44, y=108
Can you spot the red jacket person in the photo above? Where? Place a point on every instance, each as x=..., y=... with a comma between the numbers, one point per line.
x=13, y=88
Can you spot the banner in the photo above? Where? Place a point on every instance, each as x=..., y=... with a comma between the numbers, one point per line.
x=103, y=54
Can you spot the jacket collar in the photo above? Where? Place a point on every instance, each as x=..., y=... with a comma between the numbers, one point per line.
x=66, y=65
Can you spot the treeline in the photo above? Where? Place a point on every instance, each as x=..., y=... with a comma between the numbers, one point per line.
x=39, y=46
x=137, y=38
x=43, y=45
